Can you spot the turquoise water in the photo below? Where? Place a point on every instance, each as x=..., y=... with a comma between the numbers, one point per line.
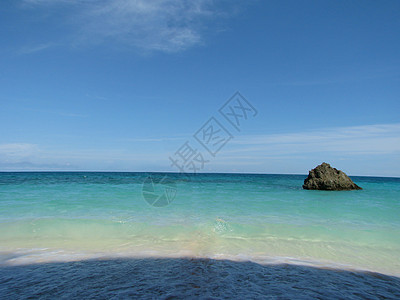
x=265, y=218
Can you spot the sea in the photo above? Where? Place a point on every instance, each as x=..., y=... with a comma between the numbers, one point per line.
x=70, y=217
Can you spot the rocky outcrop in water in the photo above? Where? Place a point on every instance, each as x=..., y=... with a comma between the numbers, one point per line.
x=324, y=177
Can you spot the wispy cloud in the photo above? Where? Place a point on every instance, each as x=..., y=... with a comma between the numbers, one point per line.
x=73, y=115
x=17, y=150
x=30, y=157
x=35, y=48
x=57, y=112
x=161, y=139
x=367, y=139
x=362, y=150
x=29, y=166
x=158, y=25
x=349, y=77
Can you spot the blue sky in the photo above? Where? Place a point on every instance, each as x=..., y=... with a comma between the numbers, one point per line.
x=121, y=85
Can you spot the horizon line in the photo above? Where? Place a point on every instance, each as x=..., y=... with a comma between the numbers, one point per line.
x=170, y=172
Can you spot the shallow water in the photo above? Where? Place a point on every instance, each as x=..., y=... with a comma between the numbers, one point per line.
x=264, y=218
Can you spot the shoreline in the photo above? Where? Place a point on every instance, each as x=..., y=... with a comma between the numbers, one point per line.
x=37, y=256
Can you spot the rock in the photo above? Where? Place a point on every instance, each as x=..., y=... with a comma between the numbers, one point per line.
x=324, y=177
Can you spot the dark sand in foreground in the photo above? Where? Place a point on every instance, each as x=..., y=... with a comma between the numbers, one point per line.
x=169, y=278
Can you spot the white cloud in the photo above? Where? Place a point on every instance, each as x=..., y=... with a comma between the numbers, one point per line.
x=25, y=156
x=361, y=150
x=161, y=139
x=35, y=48
x=17, y=151
x=158, y=25
x=367, y=139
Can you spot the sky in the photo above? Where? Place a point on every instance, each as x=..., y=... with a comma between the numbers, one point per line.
x=138, y=85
